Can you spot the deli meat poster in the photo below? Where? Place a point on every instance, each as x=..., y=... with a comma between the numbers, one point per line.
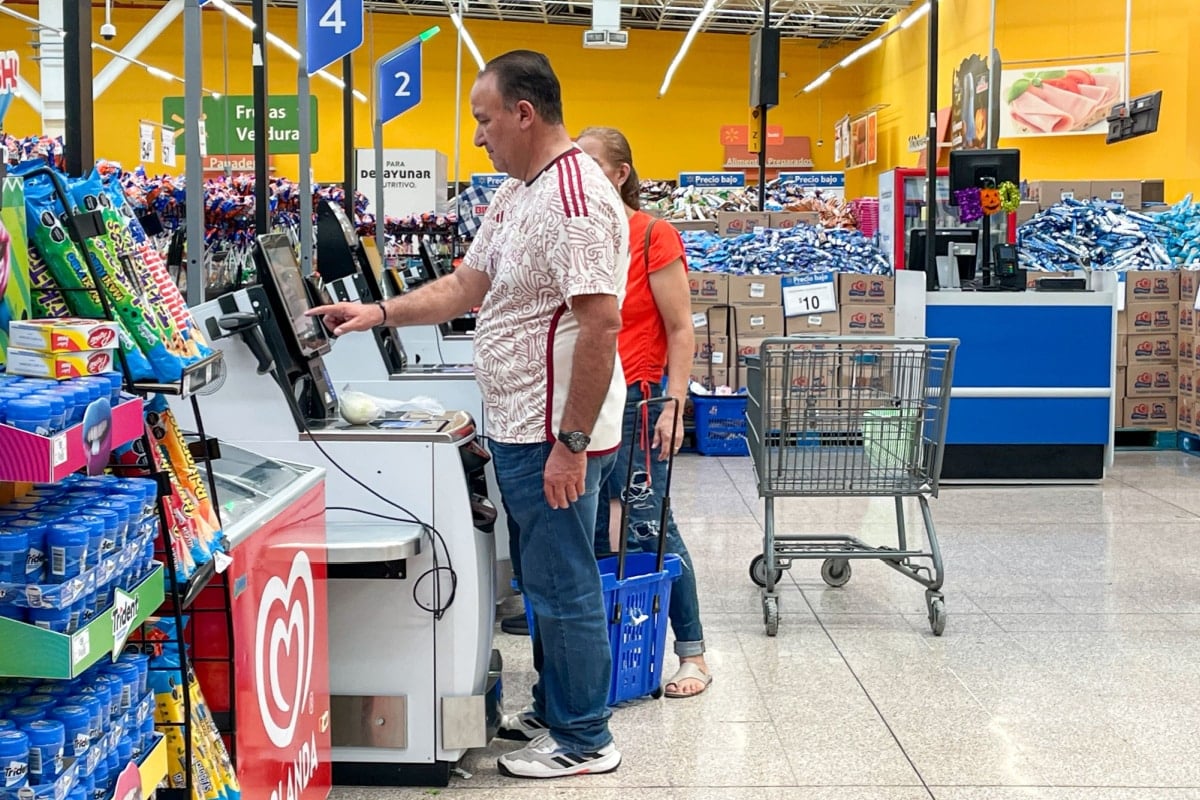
x=1059, y=100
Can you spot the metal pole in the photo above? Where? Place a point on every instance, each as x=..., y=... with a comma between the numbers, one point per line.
x=262, y=213
x=762, y=124
x=348, y=182
x=304, y=120
x=77, y=87
x=458, y=116
x=993, y=136
x=379, y=217
x=931, y=147
x=193, y=100
x=1128, y=48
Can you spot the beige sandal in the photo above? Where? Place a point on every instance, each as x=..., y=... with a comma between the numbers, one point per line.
x=688, y=670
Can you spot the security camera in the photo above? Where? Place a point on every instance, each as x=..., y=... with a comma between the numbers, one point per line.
x=108, y=31
x=820, y=142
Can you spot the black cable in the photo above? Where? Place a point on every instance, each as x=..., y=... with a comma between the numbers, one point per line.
x=438, y=612
x=438, y=609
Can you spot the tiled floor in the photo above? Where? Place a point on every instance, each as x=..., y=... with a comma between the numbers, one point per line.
x=1070, y=666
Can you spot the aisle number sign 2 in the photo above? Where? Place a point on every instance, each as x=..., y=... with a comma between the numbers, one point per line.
x=399, y=78
x=332, y=29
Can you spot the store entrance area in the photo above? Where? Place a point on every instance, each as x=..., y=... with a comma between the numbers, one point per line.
x=1068, y=667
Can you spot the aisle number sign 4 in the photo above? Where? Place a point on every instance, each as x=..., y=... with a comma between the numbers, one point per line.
x=809, y=294
x=333, y=29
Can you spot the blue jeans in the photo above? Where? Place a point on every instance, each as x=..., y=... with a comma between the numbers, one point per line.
x=645, y=517
x=560, y=580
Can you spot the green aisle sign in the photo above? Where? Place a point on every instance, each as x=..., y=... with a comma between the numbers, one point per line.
x=229, y=122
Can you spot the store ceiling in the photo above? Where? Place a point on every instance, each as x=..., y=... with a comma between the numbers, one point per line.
x=824, y=20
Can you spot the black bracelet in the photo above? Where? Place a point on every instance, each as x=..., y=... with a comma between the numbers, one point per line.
x=383, y=308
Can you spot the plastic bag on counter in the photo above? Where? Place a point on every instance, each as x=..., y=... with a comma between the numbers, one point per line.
x=359, y=408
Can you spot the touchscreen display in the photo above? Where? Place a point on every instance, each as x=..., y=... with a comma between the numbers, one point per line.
x=281, y=261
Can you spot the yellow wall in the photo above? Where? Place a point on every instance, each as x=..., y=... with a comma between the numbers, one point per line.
x=680, y=132
x=1028, y=29
x=617, y=87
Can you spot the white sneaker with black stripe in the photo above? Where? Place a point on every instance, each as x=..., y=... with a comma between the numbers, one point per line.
x=546, y=758
x=521, y=727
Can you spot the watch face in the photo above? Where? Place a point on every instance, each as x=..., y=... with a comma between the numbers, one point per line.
x=576, y=441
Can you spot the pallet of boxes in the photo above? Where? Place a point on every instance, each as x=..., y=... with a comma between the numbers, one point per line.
x=1154, y=332
x=1188, y=365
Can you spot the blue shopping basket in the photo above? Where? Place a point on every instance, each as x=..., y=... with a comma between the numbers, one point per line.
x=637, y=601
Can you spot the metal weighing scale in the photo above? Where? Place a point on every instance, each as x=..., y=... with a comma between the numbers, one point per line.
x=411, y=693
x=441, y=366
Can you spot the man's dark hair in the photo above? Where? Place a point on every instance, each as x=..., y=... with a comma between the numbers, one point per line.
x=527, y=75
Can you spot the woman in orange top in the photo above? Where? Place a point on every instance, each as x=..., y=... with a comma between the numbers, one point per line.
x=656, y=332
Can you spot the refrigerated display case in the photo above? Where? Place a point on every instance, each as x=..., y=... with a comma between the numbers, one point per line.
x=272, y=691
x=902, y=208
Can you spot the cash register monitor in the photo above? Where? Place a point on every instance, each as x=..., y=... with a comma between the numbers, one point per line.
x=279, y=271
x=947, y=243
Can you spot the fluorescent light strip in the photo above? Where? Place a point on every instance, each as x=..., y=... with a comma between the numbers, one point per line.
x=870, y=46
x=824, y=76
x=467, y=40
x=153, y=70
x=709, y=5
x=280, y=44
x=41, y=26
x=914, y=16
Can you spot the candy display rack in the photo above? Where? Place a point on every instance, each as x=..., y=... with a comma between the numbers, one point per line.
x=174, y=596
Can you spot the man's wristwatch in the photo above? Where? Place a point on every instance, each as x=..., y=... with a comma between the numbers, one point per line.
x=576, y=441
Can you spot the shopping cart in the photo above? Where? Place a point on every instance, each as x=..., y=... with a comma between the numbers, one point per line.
x=849, y=417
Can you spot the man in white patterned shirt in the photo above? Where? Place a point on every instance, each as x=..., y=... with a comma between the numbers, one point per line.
x=547, y=271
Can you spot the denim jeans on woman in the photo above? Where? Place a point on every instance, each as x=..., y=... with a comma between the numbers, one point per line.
x=645, y=514
x=560, y=580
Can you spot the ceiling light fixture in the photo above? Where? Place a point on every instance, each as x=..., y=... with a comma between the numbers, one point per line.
x=868, y=47
x=157, y=72
x=40, y=25
x=467, y=40
x=697, y=23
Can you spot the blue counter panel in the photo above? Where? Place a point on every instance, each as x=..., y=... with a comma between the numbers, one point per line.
x=1017, y=420
x=1019, y=346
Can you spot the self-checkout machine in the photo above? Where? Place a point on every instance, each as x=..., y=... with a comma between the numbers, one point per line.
x=380, y=364
x=414, y=680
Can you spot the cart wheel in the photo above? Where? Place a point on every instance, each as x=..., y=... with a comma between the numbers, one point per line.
x=937, y=615
x=758, y=571
x=771, y=615
x=835, y=571
x=657, y=693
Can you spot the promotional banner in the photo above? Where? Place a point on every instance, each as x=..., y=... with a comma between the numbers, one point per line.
x=863, y=148
x=783, y=152
x=841, y=139
x=1059, y=100
x=414, y=181
x=10, y=75
x=971, y=96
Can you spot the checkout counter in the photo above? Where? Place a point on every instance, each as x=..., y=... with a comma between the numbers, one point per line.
x=432, y=361
x=1034, y=394
x=399, y=536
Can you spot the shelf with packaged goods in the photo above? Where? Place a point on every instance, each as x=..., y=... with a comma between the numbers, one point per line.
x=33, y=652
x=30, y=458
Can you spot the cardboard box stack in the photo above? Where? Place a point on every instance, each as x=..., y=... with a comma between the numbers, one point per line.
x=1150, y=347
x=733, y=314
x=1187, y=352
x=1133, y=194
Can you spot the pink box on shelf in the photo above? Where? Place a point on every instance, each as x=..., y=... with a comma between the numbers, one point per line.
x=31, y=458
